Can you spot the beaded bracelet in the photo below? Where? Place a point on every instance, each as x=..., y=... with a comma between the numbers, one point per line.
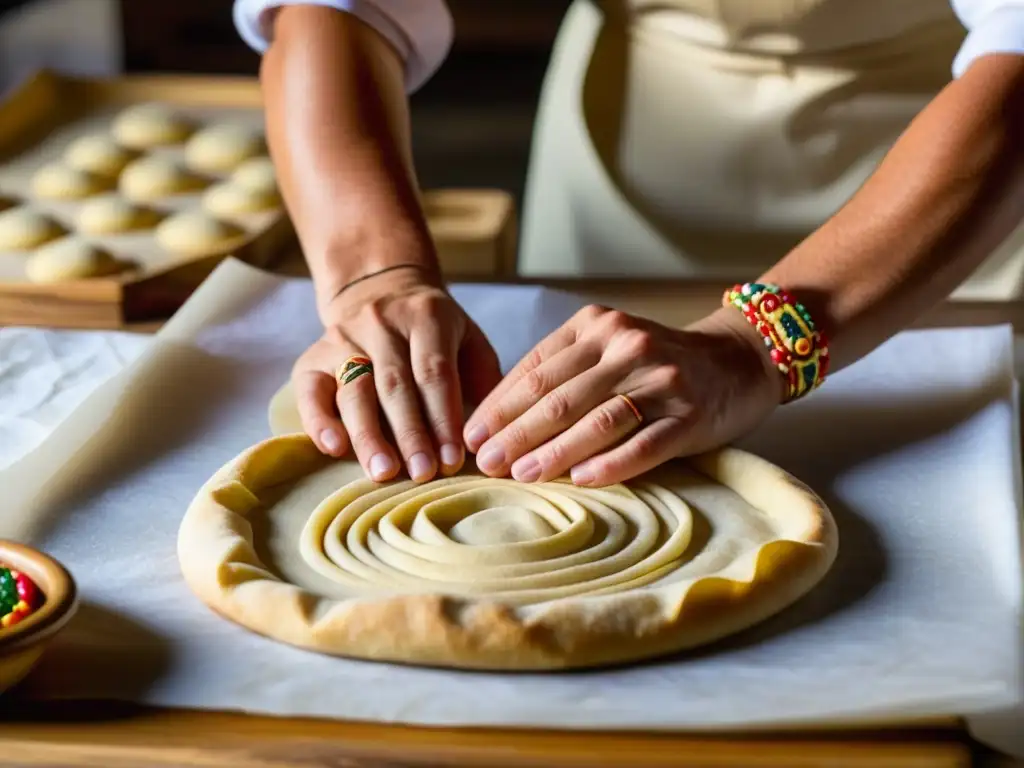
x=798, y=349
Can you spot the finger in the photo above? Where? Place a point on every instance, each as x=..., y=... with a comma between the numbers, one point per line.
x=653, y=445
x=434, y=356
x=496, y=414
x=399, y=398
x=357, y=403
x=476, y=431
x=601, y=428
x=314, y=395
x=582, y=388
x=479, y=368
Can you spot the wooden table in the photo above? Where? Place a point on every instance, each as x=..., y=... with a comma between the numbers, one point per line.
x=111, y=736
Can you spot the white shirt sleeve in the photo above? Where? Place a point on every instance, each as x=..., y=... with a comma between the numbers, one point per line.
x=993, y=26
x=420, y=30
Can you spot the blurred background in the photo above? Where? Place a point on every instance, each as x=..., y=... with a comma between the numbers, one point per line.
x=472, y=122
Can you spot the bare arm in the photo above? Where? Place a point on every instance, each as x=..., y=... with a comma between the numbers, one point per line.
x=950, y=190
x=338, y=129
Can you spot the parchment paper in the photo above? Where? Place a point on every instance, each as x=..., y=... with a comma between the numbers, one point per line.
x=913, y=448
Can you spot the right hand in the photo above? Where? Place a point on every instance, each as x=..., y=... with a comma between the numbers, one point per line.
x=428, y=359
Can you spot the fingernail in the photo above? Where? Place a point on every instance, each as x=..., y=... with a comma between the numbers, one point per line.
x=330, y=440
x=451, y=455
x=491, y=458
x=420, y=466
x=476, y=437
x=526, y=470
x=582, y=474
x=382, y=466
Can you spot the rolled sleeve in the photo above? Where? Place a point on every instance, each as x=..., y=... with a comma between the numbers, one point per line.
x=993, y=26
x=420, y=30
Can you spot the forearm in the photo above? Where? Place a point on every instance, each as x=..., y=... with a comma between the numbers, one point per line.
x=945, y=196
x=338, y=129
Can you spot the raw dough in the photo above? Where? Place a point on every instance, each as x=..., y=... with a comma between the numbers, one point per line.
x=22, y=228
x=100, y=155
x=194, y=233
x=153, y=177
x=112, y=215
x=223, y=147
x=232, y=199
x=69, y=258
x=58, y=181
x=257, y=174
x=492, y=574
x=151, y=125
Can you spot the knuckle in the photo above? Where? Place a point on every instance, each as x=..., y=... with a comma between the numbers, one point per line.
x=637, y=343
x=644, y=447
x=411, y=437
x=533, y=359
x=434, y=370
x=390, y=381
x=604, y=421
x=554, y=456
x=555, y=406
x=515, y=437
x=364, y=437
x=617, y=320
x=444, y=428
x=591, y=312
x=535, y=383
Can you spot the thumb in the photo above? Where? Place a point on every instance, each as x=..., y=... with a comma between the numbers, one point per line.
x=479, y=368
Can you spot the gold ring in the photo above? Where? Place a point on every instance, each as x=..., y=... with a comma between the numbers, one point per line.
x=632, y=406
x=352, y=369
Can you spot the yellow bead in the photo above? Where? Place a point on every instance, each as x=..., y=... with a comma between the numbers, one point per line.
x=803, y=346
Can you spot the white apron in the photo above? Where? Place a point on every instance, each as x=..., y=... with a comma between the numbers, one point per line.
x=705, y=138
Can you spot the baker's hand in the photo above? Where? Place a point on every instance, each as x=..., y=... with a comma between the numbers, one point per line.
x=559, y=409
x=427, y=357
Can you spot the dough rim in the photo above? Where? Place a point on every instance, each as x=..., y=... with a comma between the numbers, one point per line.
x=220, y=565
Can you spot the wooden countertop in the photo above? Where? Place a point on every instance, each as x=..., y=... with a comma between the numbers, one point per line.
x=113, y=735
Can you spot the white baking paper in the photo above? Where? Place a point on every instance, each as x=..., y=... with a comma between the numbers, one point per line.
x=913, y=448
x=46, y=374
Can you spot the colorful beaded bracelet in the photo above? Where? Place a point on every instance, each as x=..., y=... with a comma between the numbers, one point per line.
x=19, y=597
x=798, y=349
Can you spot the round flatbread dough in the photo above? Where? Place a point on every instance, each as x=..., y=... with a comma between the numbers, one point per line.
x=231, y=199
x=22, y=228
x=99, y=155
x=69, y=258
x=222, y=148
x=58, y=181
x=154, y=177
x=257, y=174
x=194, y=233
x=113, y=215
x=484, y=573
x=151, y=125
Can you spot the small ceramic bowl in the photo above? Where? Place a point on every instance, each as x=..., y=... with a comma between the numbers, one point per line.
x=22, y=644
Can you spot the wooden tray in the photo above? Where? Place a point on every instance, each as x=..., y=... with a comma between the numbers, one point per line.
x=474, y=230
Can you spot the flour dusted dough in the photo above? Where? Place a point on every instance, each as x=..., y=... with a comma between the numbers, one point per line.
x=58, y=181
x=153, y=177
x=257, y=174
x=145, y=126
x=69, y=258
x=22, y=228
x=480, y=573
x=194, y=233
x=221, y=148
x=113, y=215
x=232, y=199
x=99, y=154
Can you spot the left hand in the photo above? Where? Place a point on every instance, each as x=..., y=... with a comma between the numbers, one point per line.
x=558, y=410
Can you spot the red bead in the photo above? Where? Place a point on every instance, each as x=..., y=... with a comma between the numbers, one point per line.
x=779, y=356
x=823, y=364
x=27, y=590
x=764, y=328
x=770, y=303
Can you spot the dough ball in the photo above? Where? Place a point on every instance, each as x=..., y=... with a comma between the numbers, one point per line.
x=231, y=199
x=22, y=228
x=194, y=233
x=151, y=178
x=257, y=174
x=223, y=147
x=69, y=258
x=100, y=155
x=151, y=125
x=58, y=181
x=112, y=215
